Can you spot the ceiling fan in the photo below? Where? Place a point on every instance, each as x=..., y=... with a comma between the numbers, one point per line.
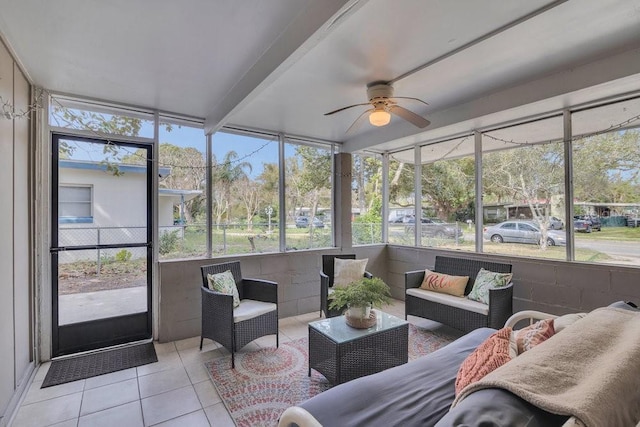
x=383, y=104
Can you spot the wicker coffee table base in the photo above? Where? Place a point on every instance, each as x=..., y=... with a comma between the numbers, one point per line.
x=366, y=355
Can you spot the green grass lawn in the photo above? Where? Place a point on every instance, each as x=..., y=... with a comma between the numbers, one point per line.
x=612, y=233
x=238, y=241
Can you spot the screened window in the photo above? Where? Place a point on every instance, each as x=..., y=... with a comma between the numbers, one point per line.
x=366, y=200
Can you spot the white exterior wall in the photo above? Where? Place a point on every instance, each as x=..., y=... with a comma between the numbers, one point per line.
x=119, y=212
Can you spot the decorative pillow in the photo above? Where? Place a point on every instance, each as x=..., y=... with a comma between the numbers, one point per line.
x=225, y=284
x=486, y=280
x=347, y=271
x=532, y=335
x=444, y=283
x=487, y=357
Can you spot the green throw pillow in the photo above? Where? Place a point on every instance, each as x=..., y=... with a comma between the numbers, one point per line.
x=225, y=284
x=486, y=280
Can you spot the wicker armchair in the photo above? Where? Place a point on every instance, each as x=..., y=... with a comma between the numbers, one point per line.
x=256, y=316
x=326, y=282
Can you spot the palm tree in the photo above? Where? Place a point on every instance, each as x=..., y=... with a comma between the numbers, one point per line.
x=226, y=174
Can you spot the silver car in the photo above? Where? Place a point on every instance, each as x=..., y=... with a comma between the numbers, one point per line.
x=522, y=232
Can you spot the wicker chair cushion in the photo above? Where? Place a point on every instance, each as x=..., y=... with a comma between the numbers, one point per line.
x=486, y=280
x=248, y=309
x=347, y=271
x=444, y=283
x=225, y=284
x=450, y=300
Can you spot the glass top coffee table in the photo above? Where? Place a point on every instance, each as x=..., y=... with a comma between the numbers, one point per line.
x=342, y=353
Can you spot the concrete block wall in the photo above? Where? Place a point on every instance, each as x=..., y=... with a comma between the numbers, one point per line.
x=297, y=275
x=557, y=287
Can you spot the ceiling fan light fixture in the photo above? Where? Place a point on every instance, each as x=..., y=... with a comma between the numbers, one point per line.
x=379, y=117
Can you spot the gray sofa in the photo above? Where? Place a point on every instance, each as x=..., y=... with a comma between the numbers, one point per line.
x=418, y=393
x=421, y=392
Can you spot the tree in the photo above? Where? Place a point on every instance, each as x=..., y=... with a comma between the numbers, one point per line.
x=606, y=167
x=225, y=175
x=529, y=175
x=448, y=185
x=249, y=194
x=401, y=184
x=315, y=177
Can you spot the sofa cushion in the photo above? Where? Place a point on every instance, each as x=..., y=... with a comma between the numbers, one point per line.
x=347, y=271
x=248, y=309
x=450, y=300
x=444, y=283
x=225, y=284
x=490, y=355
x=486, y=280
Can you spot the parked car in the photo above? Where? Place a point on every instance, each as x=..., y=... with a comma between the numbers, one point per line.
x=397, y=219
x=586, y=223
x=555, y=223
x=522, y=232
x=303, y=222
x=433, y=227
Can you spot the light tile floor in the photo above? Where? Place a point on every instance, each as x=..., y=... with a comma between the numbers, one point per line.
x=175, y=391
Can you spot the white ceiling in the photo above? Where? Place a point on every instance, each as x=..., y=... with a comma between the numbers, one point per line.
x=280, y=65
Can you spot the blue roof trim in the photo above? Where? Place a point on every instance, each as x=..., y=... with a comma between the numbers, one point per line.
x=87, y=165
x=75, y=220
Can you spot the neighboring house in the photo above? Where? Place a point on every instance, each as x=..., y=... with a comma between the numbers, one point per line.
x=89, y=197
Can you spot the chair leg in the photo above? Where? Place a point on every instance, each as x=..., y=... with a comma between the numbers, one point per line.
x=233, y=360
x=201, y=339
x=277, y=339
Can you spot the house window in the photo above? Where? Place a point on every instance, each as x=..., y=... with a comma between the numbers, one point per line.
x=75, y=204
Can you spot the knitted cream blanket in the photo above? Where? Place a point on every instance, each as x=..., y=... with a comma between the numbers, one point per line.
x=589, y=371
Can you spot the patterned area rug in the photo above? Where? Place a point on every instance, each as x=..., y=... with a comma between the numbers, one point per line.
x=268, y=381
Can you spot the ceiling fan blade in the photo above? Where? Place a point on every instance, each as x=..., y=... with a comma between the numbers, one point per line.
x=345, y=108
x=408, y=97
x=358, y=122
x=409, y=116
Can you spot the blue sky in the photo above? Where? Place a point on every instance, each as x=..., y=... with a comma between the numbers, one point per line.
x=252, y=150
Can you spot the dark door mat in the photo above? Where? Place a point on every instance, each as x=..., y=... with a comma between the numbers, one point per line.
x=99, y=363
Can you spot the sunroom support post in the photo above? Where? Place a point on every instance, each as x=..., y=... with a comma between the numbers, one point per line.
x=342, y=201
x=568, y=184
x=282, y=210
x=417, y=171
x=209, y=191
x=385, y=198
x=479, y=216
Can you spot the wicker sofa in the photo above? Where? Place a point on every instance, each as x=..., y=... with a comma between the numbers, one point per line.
x=460, y=313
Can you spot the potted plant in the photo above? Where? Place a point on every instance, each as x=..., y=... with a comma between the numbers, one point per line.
x=358, y=297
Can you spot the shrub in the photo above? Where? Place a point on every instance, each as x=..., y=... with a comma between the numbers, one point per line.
x=123, y=256
x=168, y=242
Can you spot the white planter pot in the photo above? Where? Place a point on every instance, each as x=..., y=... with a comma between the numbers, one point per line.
x=359, y=312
